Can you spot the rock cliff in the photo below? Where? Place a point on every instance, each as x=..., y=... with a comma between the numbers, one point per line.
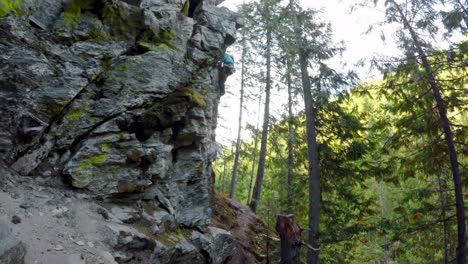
x=110, y=107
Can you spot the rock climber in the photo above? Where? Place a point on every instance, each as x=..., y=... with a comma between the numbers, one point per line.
x=226, y=68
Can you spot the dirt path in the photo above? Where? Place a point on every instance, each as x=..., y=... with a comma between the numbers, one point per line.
x=56, y=226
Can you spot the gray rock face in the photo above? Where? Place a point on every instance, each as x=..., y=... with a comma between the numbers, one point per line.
x=119, y=97
x=12, y=251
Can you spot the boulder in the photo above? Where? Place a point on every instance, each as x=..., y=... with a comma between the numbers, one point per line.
x=12, y=251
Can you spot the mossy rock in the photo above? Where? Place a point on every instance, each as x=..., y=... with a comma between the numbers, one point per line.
x=93, y=160
x=154, y=42
x=125, y=186
x=224, y=213
x=11, y=6
x=118, y=19
x=190, y=95
x=75, y=9
x=171, y=238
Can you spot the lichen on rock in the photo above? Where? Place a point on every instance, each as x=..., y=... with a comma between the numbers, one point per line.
x=120, y=99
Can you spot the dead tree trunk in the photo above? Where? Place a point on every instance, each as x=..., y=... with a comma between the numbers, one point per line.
x=290, y=235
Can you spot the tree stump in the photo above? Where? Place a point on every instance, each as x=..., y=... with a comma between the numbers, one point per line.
x=290, y=235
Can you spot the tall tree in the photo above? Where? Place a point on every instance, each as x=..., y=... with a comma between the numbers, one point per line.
x=268, y=24
x=314, y=171
x=239, y=129
x=290, y=139
x=285, y=61
x=254, y=153
x=420, y=15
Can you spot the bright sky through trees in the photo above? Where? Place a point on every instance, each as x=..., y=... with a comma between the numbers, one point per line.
x=347, y=27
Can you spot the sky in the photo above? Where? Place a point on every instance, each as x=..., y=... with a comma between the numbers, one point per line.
x=347, y=27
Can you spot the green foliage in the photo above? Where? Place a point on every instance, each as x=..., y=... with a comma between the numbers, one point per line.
x=7, y=6
x=383, y=133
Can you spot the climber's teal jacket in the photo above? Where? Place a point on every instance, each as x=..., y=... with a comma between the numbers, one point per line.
x=228, y=59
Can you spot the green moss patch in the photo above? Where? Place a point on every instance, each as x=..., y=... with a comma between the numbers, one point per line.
x=191, y=95
x=115, y=17
x=10, y=6
x=75, y=113
x=170, y=238
x=75, y=9
x=93, y=160
x=153, y=42
x=224, y=213
x=118, y=19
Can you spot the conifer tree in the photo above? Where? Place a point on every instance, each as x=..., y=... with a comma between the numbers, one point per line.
x=419, y=18
x=268, y=23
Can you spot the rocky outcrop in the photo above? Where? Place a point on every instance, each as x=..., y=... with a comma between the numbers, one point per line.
x=119, y=99
x=12, y=251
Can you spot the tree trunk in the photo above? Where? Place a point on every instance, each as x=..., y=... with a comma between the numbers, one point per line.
x=443, y=216
x=382, y=214
x=290, y=143
x=266, y=118
x=290, y=236
x=254, y=155
x=239, y=130
x=312, y=151
x=459, y=204
x=223, y=181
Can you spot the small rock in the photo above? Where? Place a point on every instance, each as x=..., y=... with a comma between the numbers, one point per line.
x=42, y=196
x=90, y=244
x=103, y=212
x=121, y=257
x=59, y=248
x=80, y=243
x=59, y=212
x=123, y=214
x=156, y=230
x=76, y=259
x=36, y=23
x=25, y=205
x=16, y=219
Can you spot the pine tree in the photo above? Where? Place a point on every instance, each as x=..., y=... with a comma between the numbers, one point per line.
x=314, y=171
x=267, y=17
x=239, y=130
x=420, y=15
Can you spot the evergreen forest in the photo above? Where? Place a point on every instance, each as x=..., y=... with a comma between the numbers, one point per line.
x=373, y=171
